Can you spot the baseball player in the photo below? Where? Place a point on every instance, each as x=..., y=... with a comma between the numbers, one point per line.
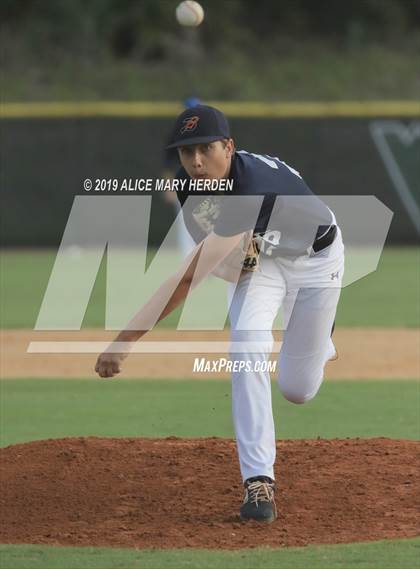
x=292, y=258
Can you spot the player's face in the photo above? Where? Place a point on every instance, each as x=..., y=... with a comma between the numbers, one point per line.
x=211, y=160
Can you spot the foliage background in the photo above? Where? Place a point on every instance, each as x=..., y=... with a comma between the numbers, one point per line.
x=266, y=50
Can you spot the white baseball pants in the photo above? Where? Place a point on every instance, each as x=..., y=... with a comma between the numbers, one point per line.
x=308, y=289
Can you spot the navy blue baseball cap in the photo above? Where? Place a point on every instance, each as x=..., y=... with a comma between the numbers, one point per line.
x=198, y=125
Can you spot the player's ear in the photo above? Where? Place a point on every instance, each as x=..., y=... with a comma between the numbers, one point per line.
x=229, y=147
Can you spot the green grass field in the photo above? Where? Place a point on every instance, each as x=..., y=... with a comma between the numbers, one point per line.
x=398, y=554
x=387, y=297
x=39, y=409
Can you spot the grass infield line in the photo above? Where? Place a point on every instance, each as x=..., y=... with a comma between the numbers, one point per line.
x=88, y=109
x=43, y=409
x=389, y=554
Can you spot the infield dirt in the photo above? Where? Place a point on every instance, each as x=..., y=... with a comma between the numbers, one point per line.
x=365, y=353
x=177, y=493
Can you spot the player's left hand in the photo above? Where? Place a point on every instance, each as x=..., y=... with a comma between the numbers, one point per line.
x=108, y=364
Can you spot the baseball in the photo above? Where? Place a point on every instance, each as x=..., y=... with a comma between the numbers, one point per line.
x=189, y=13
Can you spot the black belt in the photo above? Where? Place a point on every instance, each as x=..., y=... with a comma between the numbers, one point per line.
x=327, y=235
x=321, y=243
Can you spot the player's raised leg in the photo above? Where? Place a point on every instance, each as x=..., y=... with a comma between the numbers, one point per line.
x=309, y=308
x=306, y=343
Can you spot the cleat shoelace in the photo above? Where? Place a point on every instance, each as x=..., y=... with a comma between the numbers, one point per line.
x=259, y=492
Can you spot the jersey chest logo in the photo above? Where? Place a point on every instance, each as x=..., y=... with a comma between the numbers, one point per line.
x=206, y=214
x=267, y=242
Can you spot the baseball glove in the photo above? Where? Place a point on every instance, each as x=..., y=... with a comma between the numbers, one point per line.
x=245, y=257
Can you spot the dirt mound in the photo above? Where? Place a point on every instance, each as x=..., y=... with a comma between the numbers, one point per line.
x=186, y=493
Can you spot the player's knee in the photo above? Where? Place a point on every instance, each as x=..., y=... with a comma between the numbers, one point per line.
x=297, y=391
x=297, y=397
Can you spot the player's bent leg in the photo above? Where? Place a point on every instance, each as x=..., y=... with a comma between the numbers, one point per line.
x=306, y=344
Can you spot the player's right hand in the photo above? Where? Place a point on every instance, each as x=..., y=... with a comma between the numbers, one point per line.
x=108, y=364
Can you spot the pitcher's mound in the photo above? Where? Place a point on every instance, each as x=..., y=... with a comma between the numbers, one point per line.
x=186, y=493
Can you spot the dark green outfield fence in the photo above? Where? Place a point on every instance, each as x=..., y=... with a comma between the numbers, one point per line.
x=47, y=151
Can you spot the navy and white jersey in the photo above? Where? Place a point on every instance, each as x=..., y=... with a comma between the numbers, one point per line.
x=268, y=197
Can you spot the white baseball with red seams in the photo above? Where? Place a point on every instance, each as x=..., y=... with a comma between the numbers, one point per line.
x=189, y=13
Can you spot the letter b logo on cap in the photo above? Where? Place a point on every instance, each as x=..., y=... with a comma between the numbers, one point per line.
x=190, y=124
